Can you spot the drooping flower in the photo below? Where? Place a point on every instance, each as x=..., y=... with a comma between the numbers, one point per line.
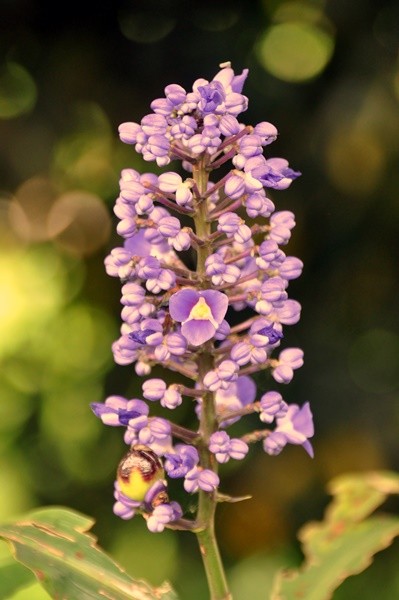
x=294, y=427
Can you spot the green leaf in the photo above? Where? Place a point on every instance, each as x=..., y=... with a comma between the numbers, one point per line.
x=32, y=592
x=345, y=542
x=55, y=545
x=13, y=576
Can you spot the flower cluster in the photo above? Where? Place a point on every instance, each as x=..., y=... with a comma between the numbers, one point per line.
x=178, y=316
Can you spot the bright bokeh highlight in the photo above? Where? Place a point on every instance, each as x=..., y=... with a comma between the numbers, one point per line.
x=294, y=51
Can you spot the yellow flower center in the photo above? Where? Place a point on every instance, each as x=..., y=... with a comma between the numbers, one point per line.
x=202, y=312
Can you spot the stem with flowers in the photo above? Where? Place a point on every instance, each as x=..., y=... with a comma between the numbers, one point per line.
x=205, y=531
x=178, y=318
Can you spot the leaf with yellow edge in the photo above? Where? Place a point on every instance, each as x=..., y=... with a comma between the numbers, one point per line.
x=55, y=545
x=345, y=542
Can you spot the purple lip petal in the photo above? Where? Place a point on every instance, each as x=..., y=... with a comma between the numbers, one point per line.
x=197, y=332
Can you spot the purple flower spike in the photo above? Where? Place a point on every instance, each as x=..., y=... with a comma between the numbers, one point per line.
x=175, y=303
x=200, y=313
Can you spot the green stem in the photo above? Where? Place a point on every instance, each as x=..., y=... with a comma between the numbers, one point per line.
x=205, y=532
x=213, y=565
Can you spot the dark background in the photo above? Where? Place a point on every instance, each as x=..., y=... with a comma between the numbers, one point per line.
x=327, y=75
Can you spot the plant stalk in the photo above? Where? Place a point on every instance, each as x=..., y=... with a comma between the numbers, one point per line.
x=205, y=532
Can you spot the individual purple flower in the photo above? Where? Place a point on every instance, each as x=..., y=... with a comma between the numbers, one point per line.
x=281, y=224
x=146, y=336
x=154, y=432
x=200, y=313
x=162, y=515
x=140, y=245
x=246, y=351
x=272, y=406
x=297, y=426
x=176, y=343
x=230, y=81
x=172, y=398
x=224, y=447
x=275, y=173
x=124, y=350
x=268, y=253
x=222, y=331
x=238, y=394
x=257, y=204
x=215, y=265
x=128, y=132
x=229, y=126
x=164, y=280
x=288, y=313
x=184, y=195
x=117, y=411
x=132, y=294
x=147, y=331
x=240, y=183
x=267, y=132
x=229, y=222
x=219, y=445
x=289, y=360
x=274, y=443
x=238, y=449
x=169, y=182
x=290, y=268
x=154, y=389
x=119, y=263
x=230, y=275
x=169, y=227
x=154, y=124
x=203, y=479
x=178, y=463
x=221, y=377
x=241, y=353
x=212, y=95
x=273, y=335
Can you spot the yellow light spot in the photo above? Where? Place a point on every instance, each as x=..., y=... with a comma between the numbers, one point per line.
x=295, y=51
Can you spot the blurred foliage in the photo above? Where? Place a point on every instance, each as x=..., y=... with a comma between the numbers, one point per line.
x=327, y=74
x=55, y=543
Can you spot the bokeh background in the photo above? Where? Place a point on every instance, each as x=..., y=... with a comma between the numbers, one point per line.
x=326, y=73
